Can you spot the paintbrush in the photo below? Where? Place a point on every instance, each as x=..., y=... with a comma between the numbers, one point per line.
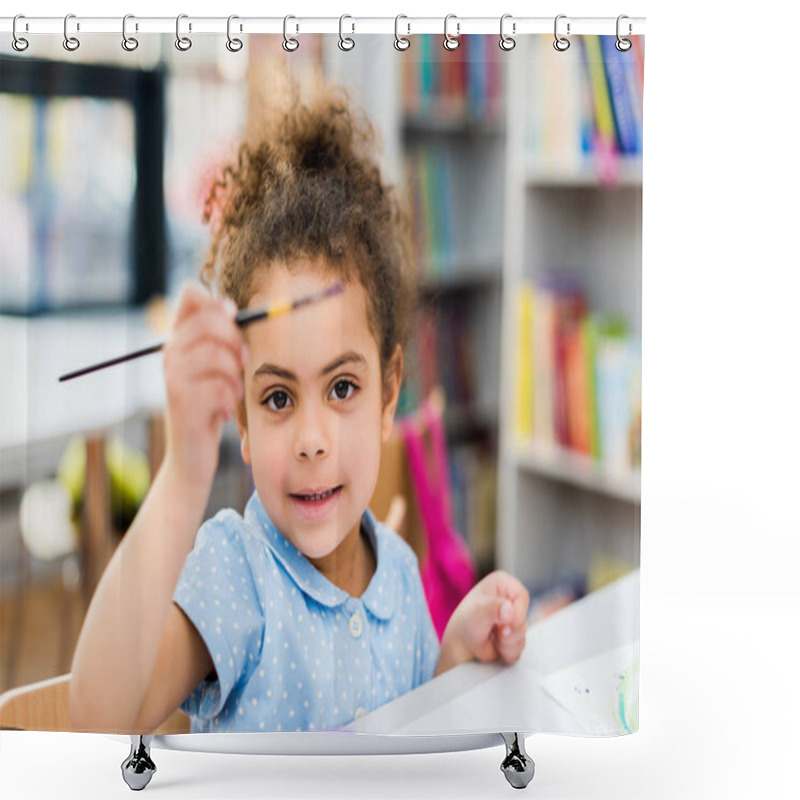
x=243, y=319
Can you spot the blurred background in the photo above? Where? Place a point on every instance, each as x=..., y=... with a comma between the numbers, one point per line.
x=522, y=174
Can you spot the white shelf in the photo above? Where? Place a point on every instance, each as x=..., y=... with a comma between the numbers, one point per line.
x=542, y=172
x=576, y=469
x=559, y=510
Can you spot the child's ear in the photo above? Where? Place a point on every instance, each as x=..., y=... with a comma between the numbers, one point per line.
x=241, y=424
x=391, y=392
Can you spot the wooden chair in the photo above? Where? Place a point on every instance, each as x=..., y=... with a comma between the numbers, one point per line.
x=44, y=706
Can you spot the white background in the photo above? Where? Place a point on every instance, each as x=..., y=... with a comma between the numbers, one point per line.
x=720, y=605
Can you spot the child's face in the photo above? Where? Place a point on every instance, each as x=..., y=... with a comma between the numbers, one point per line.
x=316, y=412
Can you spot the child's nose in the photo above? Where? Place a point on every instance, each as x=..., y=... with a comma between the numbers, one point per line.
x=311, y=440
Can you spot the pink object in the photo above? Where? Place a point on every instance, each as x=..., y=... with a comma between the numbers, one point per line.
x=448, y=570
x=607, y=160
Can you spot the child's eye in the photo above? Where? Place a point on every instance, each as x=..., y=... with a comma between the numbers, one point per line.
x=342, y=389
x=277, y=401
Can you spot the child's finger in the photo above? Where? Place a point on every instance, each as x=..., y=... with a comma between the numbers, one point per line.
x=510, y=643
x=191, y=359
x=512, y=604
x=517, y=596
x=194, y=385
x=208, y=361
x=519, y=607
x=219, y=396
x=225, y=399
x=193, y=296
x=213, y=321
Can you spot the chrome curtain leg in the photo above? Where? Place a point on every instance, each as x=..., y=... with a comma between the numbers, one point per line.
x=138, y=768
x=518, y=766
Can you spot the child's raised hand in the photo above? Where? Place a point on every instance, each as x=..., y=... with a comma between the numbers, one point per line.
x=203, y=361
x=489, y=623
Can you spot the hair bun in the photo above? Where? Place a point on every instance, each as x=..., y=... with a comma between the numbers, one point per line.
x=306, y=182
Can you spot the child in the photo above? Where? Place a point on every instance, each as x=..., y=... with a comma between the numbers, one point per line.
x=306, y=612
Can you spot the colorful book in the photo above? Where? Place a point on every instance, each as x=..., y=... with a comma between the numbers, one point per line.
x=618, y=65
x=524, y=365
x=613, y=393
x=543, y=391
x=589, y=332
x=577, y=389
x=569, y=306
x=603, y=112
x=445, y=199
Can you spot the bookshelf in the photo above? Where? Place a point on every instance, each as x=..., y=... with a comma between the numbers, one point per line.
x=453, y=143
x=569, y=486
x=440, y=121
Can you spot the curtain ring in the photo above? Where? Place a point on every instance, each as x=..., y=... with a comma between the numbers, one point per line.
x=234, y=45
x=129, y=43
x=290, y=44
x=450, y=42
x=507, y=42
x=345, y=42
x=623, y=45
x=70, y=42
x=561, y=43
x=19, y=43
x=401, y=42
x=183, y=43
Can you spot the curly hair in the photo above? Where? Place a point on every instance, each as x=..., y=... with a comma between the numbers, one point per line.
x=308, y=185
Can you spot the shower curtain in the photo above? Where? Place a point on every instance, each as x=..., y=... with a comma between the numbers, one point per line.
x=519, y=171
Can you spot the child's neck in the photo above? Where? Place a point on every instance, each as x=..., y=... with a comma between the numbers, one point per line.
x=351, y=565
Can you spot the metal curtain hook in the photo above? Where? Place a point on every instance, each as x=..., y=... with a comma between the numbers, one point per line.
x=561, y=43
x=345, y=42
x=70, y=42
x=507, y=42
x=18, y=43
x=401, y=42
x=623, y=45
x=129, y=43
x=234, y=45
x=450, y=42
x=183, y=43
x=290, y=44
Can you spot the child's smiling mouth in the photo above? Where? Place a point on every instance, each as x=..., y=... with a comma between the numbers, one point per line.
x=315, y=503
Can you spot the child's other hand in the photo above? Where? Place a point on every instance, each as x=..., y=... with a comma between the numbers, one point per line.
x=203, y=360
x=489, y=623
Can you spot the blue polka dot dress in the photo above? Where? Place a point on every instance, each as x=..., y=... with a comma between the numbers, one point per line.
x=292, y=651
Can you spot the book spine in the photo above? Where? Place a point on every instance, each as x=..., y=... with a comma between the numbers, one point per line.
x=569, y=309
x=462, y=79
x=613, y=399
x=427, y=221
x=590, y=348
x=543, y=388
x=444, y=200
x=604, y=145
x=525, y=361
x=577, y=389
x=603, y=114
x=588, y=124
x=433, y=174
x=619, y=95
x=426, y=75
x=635, y=97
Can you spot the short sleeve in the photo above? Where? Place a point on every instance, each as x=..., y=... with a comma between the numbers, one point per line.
x=217, y=593
x=427, y=650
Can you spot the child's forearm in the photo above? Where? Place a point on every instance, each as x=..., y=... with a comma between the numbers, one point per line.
x=122, y=632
